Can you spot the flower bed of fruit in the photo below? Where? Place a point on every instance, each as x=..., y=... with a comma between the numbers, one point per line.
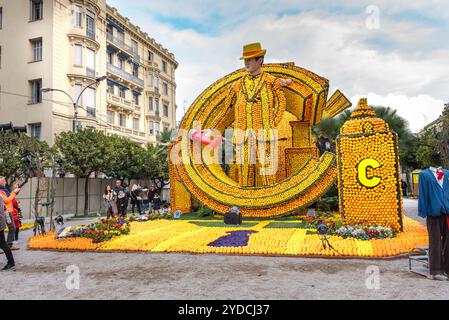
x=171, y=235
x=99, y=231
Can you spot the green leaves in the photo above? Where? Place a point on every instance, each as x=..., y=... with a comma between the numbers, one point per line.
x=84, y=152
x=21, y=157
x=408, y=142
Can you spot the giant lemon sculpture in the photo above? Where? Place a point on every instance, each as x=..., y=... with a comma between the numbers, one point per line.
x=302, y=175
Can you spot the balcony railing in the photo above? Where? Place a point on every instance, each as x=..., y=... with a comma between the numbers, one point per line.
x=124, y=103
x=90, y=112
x=125, y=75
x=90, y=34
x=90, y=72
x=122, y=45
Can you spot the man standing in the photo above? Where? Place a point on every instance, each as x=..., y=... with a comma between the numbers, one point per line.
x=8, y=198
x=122, y=198
x=3, y=245
x=256, y=103
x=433, y=204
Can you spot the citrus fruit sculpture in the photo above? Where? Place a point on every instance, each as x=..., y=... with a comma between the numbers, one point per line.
x=369, y=178
x=302, y=176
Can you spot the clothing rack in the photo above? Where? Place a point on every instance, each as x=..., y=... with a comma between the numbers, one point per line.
x=418, y=261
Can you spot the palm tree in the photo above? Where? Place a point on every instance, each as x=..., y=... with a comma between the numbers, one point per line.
x=408, y=142
x=167, y=136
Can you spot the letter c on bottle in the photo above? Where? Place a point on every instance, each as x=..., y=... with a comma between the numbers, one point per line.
x=362, y=169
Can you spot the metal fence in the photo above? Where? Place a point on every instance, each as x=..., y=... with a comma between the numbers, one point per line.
x=69, y=196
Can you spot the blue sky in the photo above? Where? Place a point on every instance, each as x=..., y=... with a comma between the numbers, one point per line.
x=394, y=52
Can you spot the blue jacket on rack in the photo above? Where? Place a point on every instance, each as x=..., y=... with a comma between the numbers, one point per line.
x=433, y=200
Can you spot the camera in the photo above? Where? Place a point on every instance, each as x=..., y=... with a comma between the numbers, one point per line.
x=321, y=228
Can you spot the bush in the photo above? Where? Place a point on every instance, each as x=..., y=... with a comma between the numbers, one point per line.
x=203, y=211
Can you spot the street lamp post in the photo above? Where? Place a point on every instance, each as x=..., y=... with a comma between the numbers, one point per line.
x=75, y=102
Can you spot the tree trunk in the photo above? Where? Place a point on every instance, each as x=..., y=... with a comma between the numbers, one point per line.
x=52, y=197
x=36, y=198
x=86, y=195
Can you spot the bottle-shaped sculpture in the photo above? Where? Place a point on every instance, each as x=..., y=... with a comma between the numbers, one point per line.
x=369, y=180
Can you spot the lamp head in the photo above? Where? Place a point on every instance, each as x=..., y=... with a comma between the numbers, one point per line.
x=101, y=78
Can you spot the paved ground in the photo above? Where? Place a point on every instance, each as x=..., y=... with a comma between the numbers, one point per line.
x=43, y=275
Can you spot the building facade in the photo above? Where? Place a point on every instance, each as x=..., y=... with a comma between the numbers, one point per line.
x=69, y=45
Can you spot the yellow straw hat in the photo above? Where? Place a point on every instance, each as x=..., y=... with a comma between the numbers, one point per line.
x=253, y=50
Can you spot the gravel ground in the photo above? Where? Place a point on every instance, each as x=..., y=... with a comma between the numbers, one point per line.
x=43, y=275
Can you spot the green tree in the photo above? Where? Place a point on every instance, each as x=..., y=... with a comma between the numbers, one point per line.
x=443, y=137
x=408, y=142
x=21, y=157
x=83, y=153
x=167, y=136
x=155, y=164
x=126, y=159
x=427, y=151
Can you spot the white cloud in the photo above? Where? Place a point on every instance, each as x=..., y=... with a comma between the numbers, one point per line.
x=403, y=64
x=418, y=110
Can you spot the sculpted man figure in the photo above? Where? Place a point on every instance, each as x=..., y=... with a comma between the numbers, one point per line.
x=257, y=103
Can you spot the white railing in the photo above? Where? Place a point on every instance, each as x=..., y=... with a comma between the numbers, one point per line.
x=122, y=45
x=125, y=75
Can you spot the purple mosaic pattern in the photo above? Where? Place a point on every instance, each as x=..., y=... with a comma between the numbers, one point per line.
x=233, y=239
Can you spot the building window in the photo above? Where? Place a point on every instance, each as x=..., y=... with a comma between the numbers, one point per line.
x=90, y=62
x=36, y=7
x=150, y=104
x=1, y=17
x=135, y=70
x=136, y=124
x=156, y=102
x=136, y=99
x=121, y=36
x=36, y=86
x=165, y=89
x=134, y=46
x=35, y=130
x=90, y=24
x=78, y=16
x=77, y=88
x=110, y=117
x=156, y=129
x=121, y=120
x=164, y=66
x=150, y=55
x=122, y=93
x=109, y=31
x=165, y=110
x=151, y=128
x=90, y=97
x=151, y=79
x=156, y=83
x=90, y=102
x=78, y=55
x=120, y=63
x=110, y=88
x=110, y=58
x=36, y=46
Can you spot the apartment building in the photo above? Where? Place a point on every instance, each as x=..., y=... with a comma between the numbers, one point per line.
x=51, y=51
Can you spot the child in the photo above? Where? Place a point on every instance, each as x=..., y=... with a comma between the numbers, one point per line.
x=59, y=224
x=156, y=203
x=165, y=210
x=16, y=213
x=109, y=198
